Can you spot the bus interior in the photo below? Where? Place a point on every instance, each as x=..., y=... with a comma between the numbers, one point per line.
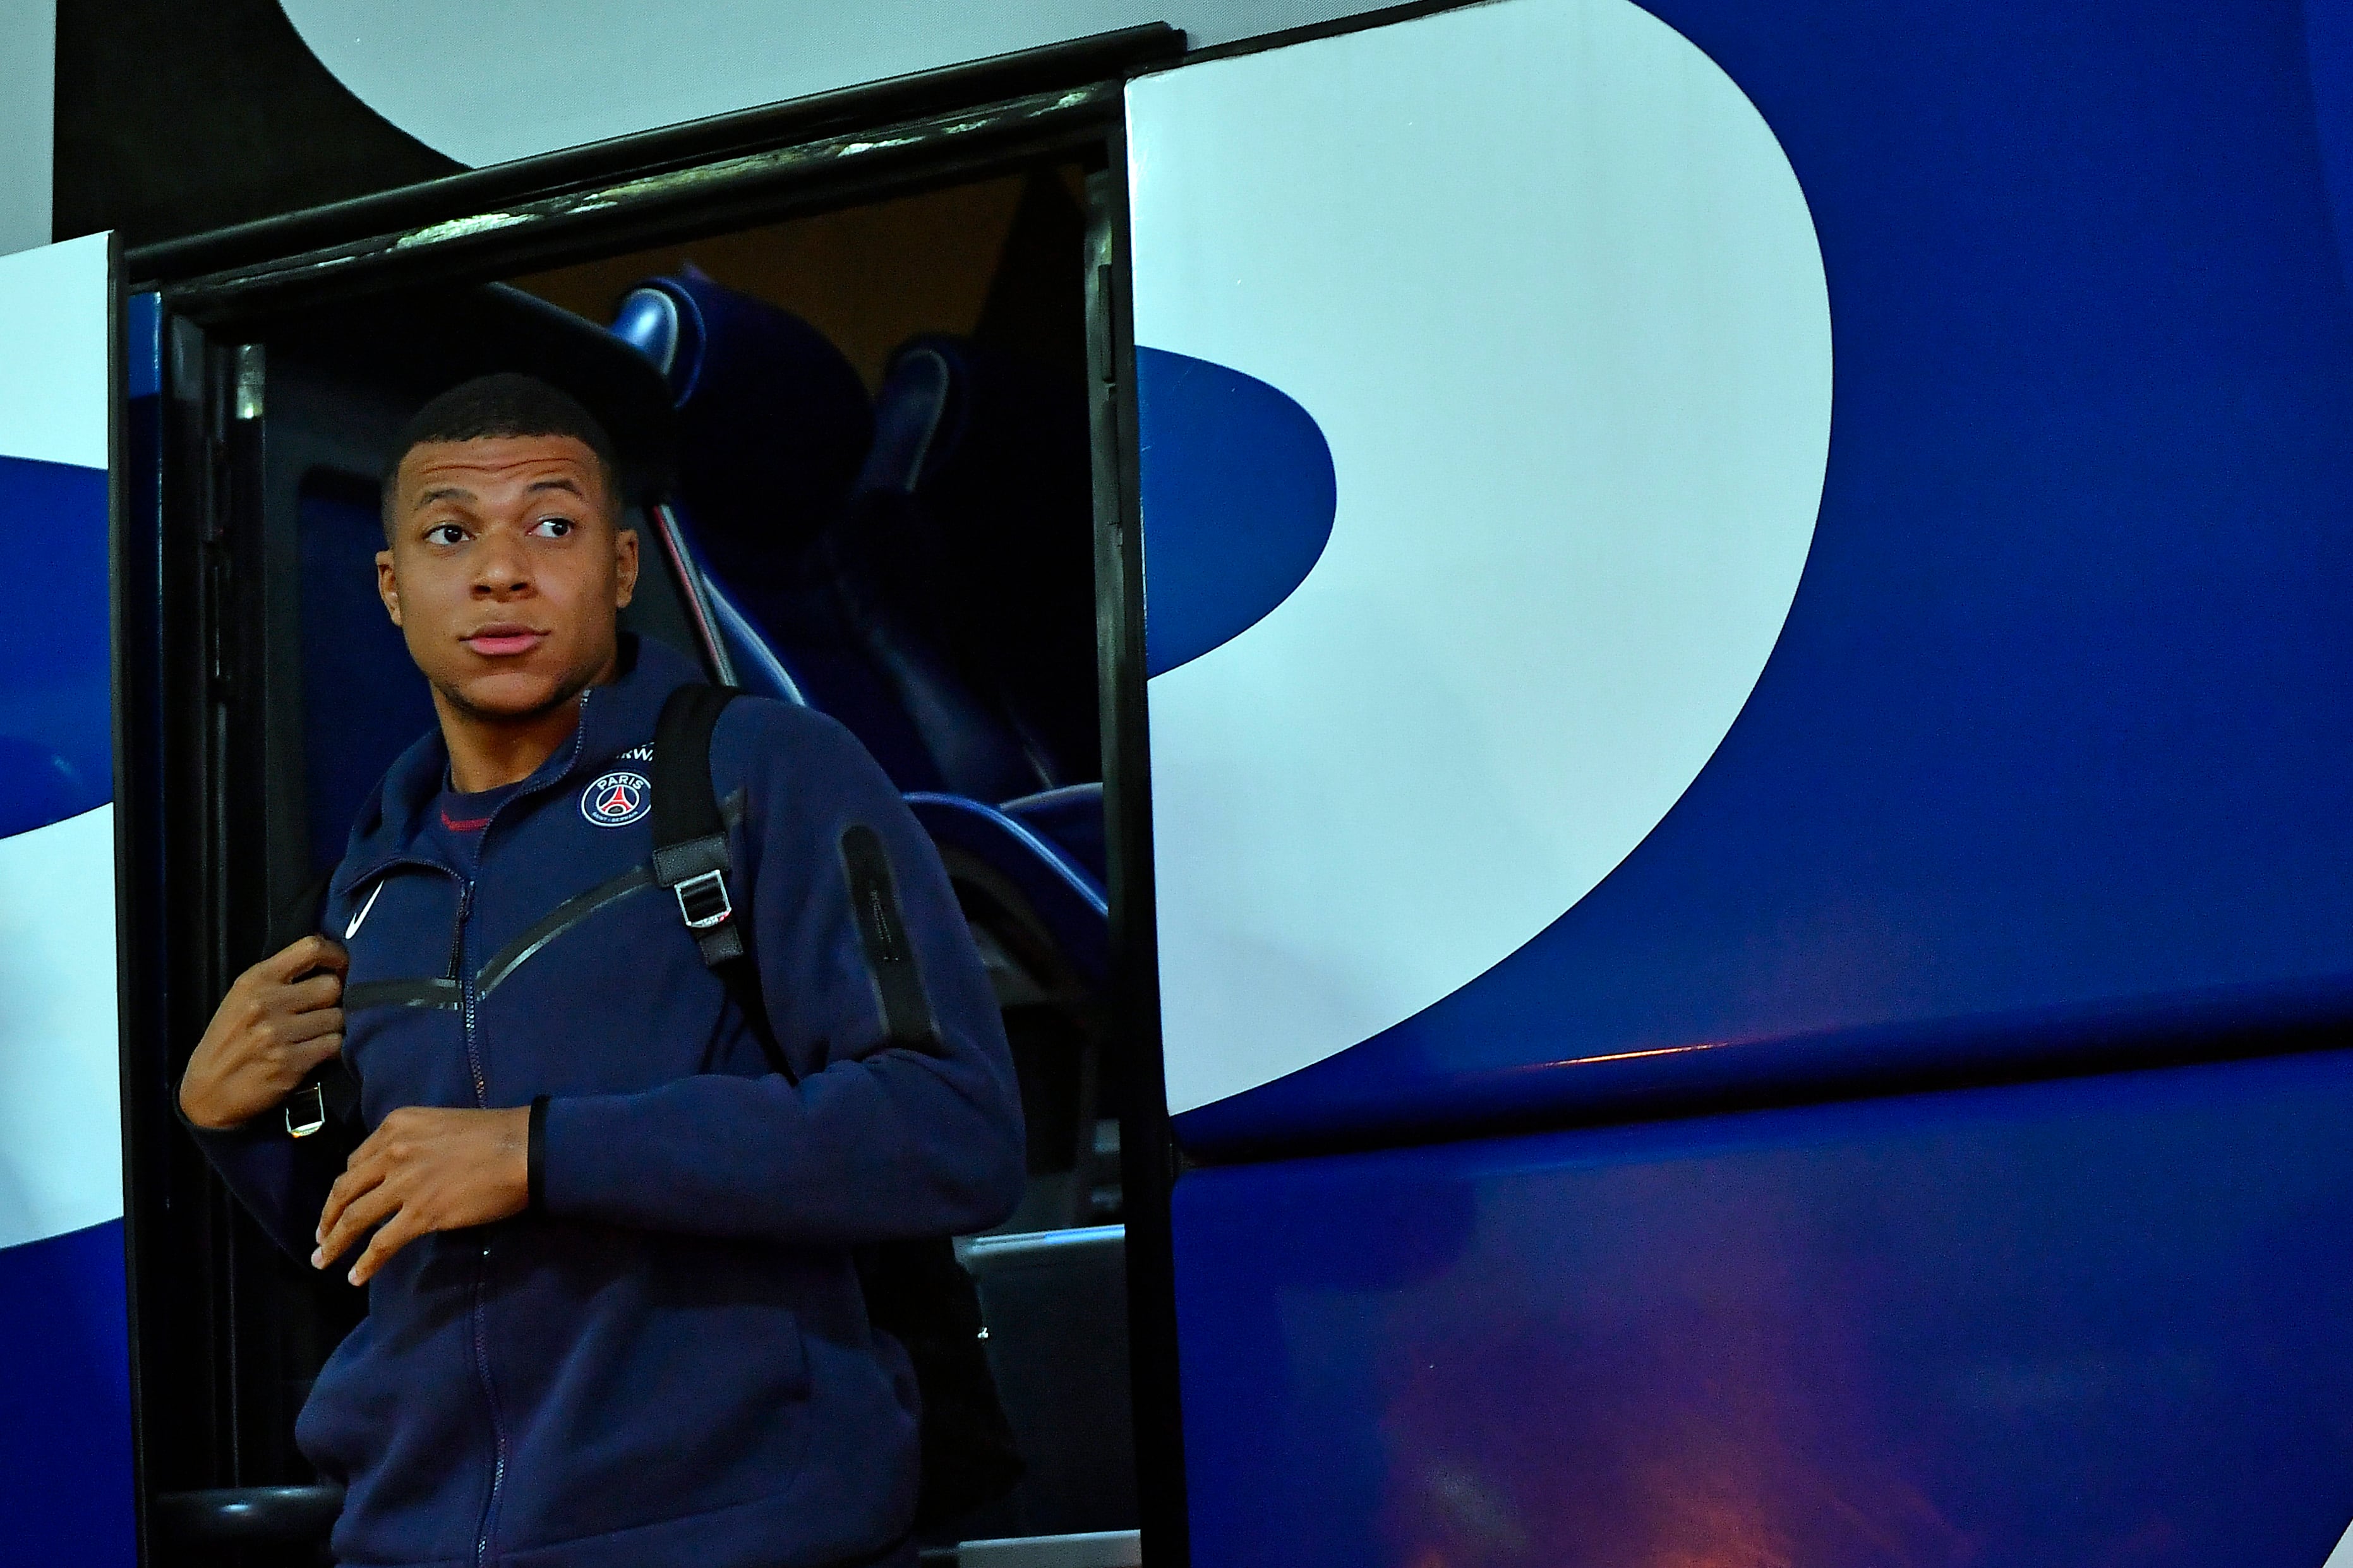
x=859, y=452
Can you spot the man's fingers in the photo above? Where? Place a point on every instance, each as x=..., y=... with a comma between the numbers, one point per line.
x=302, y=1028
x=309, y=1053
x=304, y=954
x=362, y=1214
x=361, y=1172
x=395, y=1235
x=299, y=957
x=310, y=996
x=357, y=1178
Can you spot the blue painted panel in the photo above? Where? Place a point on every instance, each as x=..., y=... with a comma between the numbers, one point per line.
x=57, y=746
x=2056, y=743
x=2098, y=1322
x=64, y=1453
x=1236, y=502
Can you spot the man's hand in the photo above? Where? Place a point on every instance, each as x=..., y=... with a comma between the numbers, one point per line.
x=426, y=1168
x=274, y=1026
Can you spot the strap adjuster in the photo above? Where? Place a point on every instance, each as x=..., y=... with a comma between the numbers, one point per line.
x=703, y=901
x=318, y=1117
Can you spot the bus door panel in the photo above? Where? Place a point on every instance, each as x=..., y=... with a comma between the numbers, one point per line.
x=65, y=1370
x=1710, y=550
x=1704, y=554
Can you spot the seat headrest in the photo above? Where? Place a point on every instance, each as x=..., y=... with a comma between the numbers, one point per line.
x=917, y=392
x=975, y=515
x=650, y=321
x=772, y=422
x=962, y=416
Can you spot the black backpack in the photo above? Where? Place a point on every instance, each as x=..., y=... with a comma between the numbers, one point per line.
x=916, y=1291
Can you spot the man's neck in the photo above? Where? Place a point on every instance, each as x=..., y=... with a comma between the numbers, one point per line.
x=488, y=752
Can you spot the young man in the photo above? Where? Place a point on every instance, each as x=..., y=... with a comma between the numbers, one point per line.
x=613, y=1318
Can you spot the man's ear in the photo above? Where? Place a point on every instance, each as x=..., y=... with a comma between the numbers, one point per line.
x=625, y=567
x=387, y=586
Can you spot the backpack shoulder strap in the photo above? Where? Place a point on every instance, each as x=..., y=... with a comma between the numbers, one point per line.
x=690, y=855
x=690, y=835
x=329, y=1089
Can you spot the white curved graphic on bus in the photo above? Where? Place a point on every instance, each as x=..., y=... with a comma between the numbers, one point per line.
x=65, y=1372
x=1545, y=281
x=60, y=1118
x=60, y=1122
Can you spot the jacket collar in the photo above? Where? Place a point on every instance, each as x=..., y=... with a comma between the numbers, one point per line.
x=613, y=717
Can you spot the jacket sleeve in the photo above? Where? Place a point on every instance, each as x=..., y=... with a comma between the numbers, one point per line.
x=281, y=1180
x=906, y=1118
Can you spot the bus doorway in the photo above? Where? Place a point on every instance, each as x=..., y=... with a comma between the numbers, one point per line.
x=864, y=437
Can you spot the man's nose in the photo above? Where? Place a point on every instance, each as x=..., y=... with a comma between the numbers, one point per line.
x=500, y=571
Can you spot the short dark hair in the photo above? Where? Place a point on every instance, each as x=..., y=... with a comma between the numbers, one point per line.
x=506, y=404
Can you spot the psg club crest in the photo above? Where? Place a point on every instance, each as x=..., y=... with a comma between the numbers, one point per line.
x=617, y=800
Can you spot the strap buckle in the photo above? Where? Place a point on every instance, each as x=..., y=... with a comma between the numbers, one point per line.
x=318, y=1111
x=702, y=901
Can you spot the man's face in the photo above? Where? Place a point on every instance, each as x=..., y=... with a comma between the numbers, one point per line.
x=506, y=570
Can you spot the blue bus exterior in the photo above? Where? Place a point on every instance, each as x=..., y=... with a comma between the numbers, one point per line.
x=2033, y=768
x=1749, y=754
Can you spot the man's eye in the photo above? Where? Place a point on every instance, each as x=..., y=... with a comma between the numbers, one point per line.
x=553, y=527
x=445, y=533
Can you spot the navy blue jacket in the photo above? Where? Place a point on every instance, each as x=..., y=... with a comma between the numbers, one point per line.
x=670, y=1362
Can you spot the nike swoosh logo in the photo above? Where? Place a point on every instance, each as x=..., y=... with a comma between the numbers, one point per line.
x=352, y=930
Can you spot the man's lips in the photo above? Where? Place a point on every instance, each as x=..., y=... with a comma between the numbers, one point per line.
x=504, y=641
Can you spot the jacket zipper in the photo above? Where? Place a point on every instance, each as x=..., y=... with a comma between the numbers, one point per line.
x=469, y=998
x=481, y=1076
x=457, y=928
x=482, y=1257
x=466, y=994
x=474, y=1067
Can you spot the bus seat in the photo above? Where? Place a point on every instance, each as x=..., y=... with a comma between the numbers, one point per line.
x=773, y=423
x=1065, y=897
x=1069, y=818
x=846, y=598
x=977, y=500
x=754, y=664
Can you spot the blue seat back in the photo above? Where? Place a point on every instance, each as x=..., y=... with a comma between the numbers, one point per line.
x=773, y=427
x=973, y=519
x=772, y=422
